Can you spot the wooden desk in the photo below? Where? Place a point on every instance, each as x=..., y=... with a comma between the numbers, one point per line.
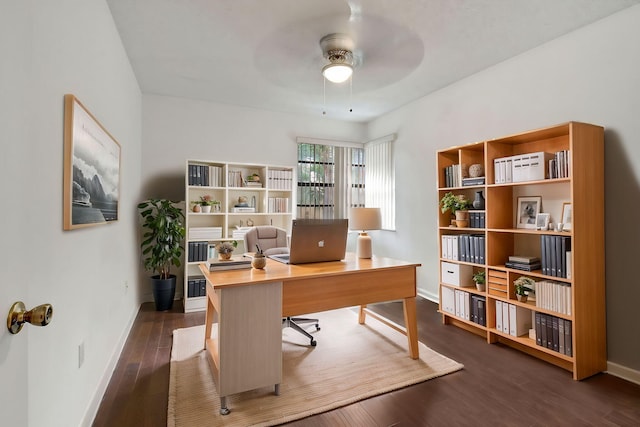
x=248, y=305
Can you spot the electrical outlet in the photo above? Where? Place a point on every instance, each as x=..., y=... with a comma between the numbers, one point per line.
x=80, y=354
x=126, y=286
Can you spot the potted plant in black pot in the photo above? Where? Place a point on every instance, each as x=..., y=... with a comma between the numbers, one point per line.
x=163, y=232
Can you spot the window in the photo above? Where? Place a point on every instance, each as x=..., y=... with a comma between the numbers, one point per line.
x=332, y=178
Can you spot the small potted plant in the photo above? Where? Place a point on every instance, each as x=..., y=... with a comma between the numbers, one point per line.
x=524, y=285
x=225, y=249
x=458, y=205
x=480, y=280
x=205, y=203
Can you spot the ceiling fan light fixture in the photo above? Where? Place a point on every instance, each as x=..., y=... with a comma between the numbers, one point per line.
x=338, y=50
x=337, y=72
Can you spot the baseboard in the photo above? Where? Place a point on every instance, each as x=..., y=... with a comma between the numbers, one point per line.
x=94, y=405
x=429, y=296
x=623, y=372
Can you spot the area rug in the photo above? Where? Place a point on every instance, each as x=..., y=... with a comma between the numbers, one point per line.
x=351, y=362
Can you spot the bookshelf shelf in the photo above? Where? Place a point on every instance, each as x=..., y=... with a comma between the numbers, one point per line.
x=271, y=203
x=575, y=286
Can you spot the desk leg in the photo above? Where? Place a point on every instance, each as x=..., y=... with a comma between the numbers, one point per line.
x=224, y=410
x=411, y=324
x=363, y=314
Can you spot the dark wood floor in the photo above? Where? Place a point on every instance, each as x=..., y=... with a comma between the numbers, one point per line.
x=499, y=386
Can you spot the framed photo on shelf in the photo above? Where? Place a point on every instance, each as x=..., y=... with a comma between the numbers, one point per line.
x=567, y=214
x=527, y=212
x=542, y=221
x=91, y=169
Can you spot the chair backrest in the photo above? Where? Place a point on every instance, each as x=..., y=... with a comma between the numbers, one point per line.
x=272, y=240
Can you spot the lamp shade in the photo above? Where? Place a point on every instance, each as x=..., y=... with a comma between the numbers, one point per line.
x=337, y=73
x=365, y=219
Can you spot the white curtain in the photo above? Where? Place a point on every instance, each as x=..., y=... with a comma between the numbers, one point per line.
x=381, y=179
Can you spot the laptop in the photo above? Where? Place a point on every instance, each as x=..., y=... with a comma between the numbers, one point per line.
x=316, y=240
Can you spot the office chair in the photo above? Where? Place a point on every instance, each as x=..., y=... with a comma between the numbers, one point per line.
x=272, y=241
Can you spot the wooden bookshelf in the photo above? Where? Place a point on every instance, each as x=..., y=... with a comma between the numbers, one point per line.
x=583, y=188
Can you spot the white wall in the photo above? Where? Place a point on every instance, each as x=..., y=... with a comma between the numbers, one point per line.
x=66, y=46
x=591, y=76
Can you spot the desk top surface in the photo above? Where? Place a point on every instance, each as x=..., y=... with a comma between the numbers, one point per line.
x=279, y=272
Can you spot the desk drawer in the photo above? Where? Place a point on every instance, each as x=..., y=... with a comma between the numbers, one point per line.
x=313, y=294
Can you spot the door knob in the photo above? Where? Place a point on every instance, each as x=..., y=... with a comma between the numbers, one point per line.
x=18, y=316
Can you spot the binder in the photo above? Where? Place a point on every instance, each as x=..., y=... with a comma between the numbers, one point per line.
x=467, y=307
x=482, y=316
x=448, y=300
x=519, y=320
x=555, y=340
x=499, y=315
x=474, y=308
x=454, y=247
x=543, y=329
x=561, y=336
x=554, y=255
x=568, y=335
x=505, y=318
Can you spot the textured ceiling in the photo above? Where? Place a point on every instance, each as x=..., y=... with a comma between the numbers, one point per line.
x=266, y=54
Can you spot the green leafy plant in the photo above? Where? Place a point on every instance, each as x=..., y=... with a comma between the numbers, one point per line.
x=453, y=203
x=206, y=200
x=524, y=285
x=479, y=277
x=163, y=234
x=227, y=247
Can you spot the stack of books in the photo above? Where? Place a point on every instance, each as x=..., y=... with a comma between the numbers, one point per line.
x=524, y=263
x=205, y=233
x=235, y=263
x=466, y=182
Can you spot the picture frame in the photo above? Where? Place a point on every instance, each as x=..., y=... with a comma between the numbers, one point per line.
x=91, y=169
x=567, y=215
x=527, y=211
x=542, y=221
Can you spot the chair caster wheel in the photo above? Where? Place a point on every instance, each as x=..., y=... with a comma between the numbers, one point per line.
x=224, y=411
x=317, y=327
x=313, y=343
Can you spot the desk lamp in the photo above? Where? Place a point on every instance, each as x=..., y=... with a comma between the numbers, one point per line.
x=364, y=219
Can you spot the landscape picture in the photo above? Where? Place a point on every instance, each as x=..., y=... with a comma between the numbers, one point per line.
x=92, y=169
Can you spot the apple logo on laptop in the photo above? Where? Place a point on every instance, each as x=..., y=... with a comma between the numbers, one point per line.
x=321, y=244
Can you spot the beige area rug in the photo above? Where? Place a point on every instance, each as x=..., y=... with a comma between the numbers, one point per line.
x=351, y=362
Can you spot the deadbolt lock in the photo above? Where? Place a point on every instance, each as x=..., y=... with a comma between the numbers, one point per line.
x=18, y=316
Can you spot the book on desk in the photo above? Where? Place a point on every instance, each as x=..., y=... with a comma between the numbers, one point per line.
x=235, y=263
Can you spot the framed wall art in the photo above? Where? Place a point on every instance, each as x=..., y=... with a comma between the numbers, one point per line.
x=542, y=221
x=527, y=211
x=91, y=169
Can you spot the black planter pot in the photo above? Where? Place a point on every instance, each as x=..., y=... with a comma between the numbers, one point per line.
x=163, y=291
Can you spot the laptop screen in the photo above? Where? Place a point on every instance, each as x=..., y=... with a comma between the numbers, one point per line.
x=317, y=240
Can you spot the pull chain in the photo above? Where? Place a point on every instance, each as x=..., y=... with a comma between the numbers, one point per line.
x=350, y=93
x=324, y=96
